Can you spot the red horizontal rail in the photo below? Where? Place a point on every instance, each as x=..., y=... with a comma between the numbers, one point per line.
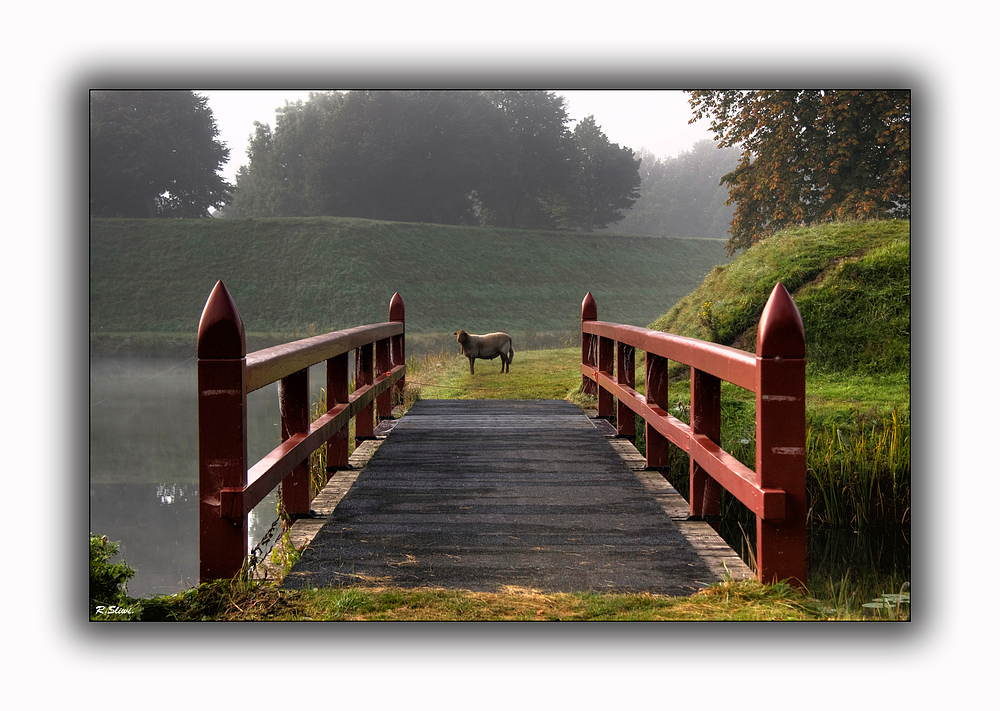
x=266, y=474
x=228, y=488
x=730, y=472
x=730, y=364
x=775, y=491
x=272, y=364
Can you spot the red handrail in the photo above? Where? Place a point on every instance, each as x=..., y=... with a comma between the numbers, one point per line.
x=229, y=488
x=775, y=491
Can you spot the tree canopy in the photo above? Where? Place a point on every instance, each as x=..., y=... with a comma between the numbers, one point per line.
x=504, y=158
x=606, y=181
x=529, y=161
x=811, y=156
x=154, y=154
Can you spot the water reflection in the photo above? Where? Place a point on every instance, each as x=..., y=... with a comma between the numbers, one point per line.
x=869, y=562
x=880, y=555
x=144, y=465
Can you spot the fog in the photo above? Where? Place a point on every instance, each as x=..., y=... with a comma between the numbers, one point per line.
x=650, y=119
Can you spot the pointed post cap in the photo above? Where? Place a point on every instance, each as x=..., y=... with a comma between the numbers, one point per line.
x=588, y=310
x=780, y=332
x=397, y=312
x=220, y=332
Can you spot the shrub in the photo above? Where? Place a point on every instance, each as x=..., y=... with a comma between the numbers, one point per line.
x=108, y=580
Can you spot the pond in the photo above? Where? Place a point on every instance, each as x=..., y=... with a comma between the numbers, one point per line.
x=144, y=465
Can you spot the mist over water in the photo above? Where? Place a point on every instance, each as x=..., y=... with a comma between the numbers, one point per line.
x=144, y=465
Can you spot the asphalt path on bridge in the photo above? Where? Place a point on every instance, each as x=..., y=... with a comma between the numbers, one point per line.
x=483, y=494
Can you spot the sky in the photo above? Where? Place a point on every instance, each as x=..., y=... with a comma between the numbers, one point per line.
x=654, y=120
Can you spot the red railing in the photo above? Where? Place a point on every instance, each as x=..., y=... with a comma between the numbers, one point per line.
x=229, y=488
x=775, y=492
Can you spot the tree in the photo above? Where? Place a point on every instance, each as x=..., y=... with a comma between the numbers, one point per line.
x=503, y=158
x=531, y=160
x=277, y=181
x=413, y=156
x=606, y=182
x=154, y=154
x=811, y=156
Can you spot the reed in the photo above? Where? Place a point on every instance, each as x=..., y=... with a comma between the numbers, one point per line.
x=861, y=478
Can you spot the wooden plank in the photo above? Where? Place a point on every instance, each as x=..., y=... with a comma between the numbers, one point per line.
x=481, y=494
x=304, y=530
x=713, y=549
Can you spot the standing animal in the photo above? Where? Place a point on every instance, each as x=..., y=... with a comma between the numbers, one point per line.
x=486, y=347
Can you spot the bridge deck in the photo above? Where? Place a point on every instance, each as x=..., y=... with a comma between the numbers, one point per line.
x=482, y=494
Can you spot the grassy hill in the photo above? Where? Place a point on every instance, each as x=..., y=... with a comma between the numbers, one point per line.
x=850, y=281
x=310, y=275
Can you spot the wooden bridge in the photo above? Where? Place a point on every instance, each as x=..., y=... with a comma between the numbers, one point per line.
x=482, y=494
x=485, y=494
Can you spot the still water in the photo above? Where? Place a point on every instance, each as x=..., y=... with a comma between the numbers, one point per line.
x=144, y=465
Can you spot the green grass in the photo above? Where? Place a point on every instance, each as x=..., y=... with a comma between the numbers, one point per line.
x=243, y=600
x=546, y=374
x=312, y=275
x=728, y=601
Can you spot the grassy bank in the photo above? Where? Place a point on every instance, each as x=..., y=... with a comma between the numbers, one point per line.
x=299, y=276
x=851, y=284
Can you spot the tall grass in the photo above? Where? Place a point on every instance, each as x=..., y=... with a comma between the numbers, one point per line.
x=861, y=478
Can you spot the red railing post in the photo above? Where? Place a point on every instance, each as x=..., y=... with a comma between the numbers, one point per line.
x=228, y=488
x=706, y=419
x=397, y=313
x=337, y=393
x=222, y=426
x=588, y=343
x=293, y=401
x=625, y=368
x=657, y=395
x=364, y=422
x=781, y=437
x=605, y=364
x=383, y=403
